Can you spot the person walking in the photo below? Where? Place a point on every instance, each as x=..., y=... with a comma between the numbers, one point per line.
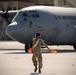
x=37, y=55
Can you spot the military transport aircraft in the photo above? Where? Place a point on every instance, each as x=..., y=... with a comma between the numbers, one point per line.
x=57, y=25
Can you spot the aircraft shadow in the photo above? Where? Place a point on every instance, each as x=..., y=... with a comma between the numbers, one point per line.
x=63, y=51
x=44, y=52
x=66, y=51
x=11, y=49
x=17, y=53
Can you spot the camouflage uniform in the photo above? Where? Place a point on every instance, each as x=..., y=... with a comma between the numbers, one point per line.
x=37, y=56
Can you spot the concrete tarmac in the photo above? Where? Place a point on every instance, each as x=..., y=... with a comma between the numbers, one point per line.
x=14, y=61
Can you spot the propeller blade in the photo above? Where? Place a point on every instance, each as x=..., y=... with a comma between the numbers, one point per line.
x=1, y=6
x=5, y=9
x=9, y=5
x=7, y=21
x=1, y=23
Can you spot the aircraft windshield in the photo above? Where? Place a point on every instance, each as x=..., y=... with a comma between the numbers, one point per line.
x=30, y=14
x=17, y=15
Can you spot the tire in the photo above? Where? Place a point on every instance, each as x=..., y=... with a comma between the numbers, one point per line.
x=26, y=48
x=74, y=46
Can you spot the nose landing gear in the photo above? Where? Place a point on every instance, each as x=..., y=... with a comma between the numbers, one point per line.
x=27, y=46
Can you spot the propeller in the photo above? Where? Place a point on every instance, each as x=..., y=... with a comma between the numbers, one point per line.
x=4, y=14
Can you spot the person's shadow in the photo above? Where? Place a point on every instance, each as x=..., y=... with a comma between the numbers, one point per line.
x=34, y=73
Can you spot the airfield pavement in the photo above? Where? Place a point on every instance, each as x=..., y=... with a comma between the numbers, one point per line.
x=14, y=60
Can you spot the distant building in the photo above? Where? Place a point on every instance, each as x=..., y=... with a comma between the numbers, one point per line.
x=18, y=4
x=70, y=3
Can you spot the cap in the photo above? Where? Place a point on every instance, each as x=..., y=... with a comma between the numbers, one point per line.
x=37, y=34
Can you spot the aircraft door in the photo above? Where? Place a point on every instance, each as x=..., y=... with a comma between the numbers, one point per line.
x=54, y=33
x=52, y=30
x=65, y=33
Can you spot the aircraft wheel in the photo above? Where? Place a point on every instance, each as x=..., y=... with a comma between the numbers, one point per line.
x=74, y=47
x=26, y=48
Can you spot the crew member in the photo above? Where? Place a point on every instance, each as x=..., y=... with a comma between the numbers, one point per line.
x=37, y=55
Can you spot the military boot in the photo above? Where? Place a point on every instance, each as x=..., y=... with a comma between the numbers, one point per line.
x=35, y=69
x=39, y=70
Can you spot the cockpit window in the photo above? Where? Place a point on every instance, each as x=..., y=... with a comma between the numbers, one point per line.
x=37, y=15
x=31, y=14
x=25, y=14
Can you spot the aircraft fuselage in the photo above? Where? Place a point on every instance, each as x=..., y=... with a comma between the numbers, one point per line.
x=57, y=25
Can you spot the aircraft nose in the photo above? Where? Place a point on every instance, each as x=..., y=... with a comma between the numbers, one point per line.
x=11, y=29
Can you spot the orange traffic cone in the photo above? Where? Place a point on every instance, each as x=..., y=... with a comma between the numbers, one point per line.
x=30, y=50
x=54, y=51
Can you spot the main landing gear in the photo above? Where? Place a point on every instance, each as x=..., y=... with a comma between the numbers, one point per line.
x=27, y=46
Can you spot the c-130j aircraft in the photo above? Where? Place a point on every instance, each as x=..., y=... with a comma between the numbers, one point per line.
x=57, y=25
